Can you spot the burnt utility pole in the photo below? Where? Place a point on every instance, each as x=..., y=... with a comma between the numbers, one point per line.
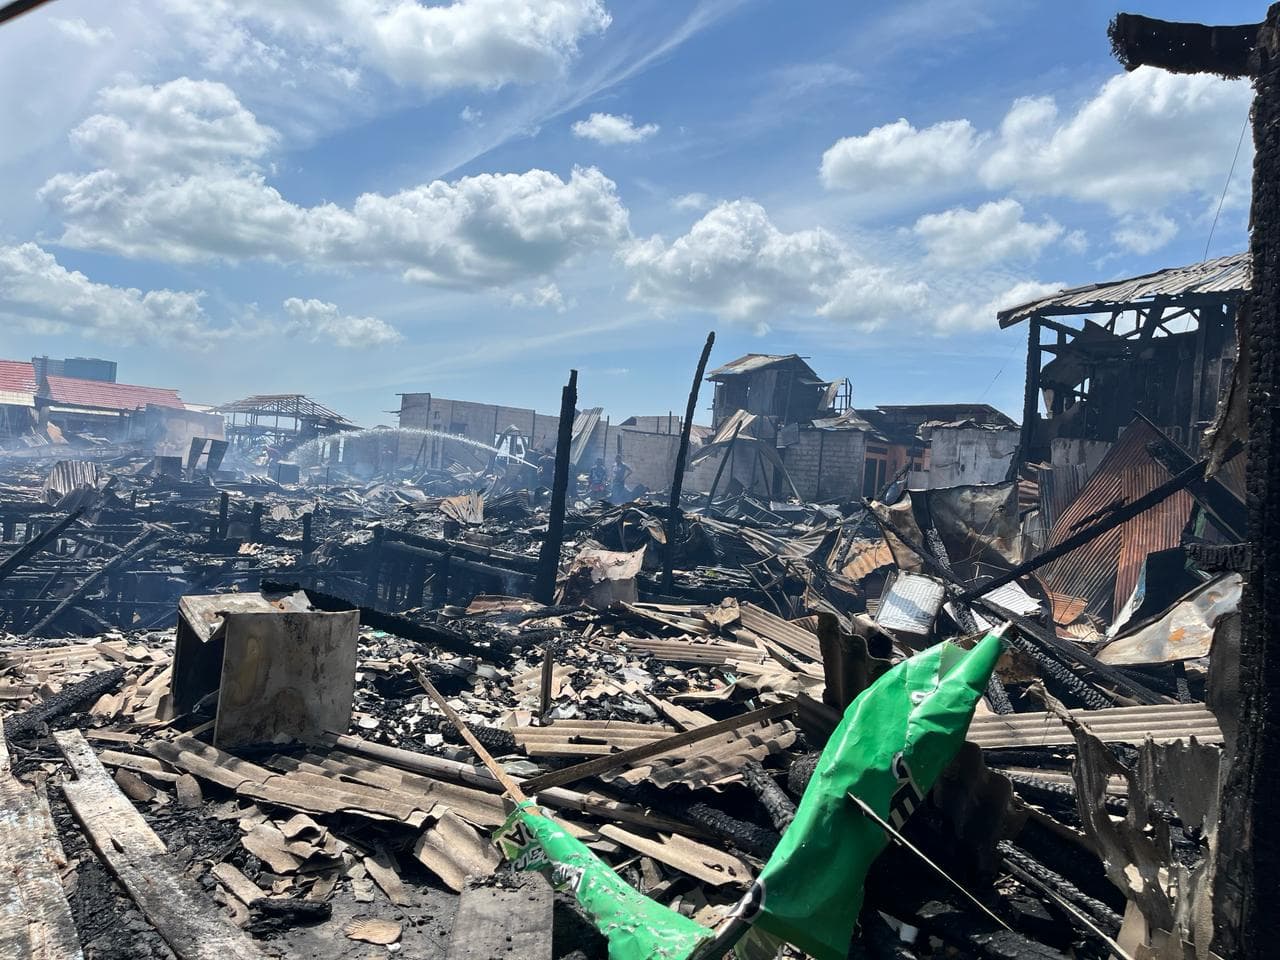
x=544, y=588
x=675, y=514
x=1246, y=923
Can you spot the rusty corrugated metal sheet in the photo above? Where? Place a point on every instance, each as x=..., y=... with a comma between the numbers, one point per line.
x=1226, y=275
x=1105, y=571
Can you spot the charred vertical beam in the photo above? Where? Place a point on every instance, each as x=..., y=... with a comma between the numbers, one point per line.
x=224, y=507
x=440, y=580
x=675, y=514
x=1030, y=400
x=374, y=569
x=549, y=557
x=255, y=521
x=1249, y=928
x=1245, y=926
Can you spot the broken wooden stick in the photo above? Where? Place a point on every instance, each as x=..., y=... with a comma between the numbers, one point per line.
x=613, y=761
x=549, y=556
x=675, y=514
x=508, y=784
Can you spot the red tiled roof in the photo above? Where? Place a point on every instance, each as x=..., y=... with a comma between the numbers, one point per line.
x=73, y=392
x=17, y=376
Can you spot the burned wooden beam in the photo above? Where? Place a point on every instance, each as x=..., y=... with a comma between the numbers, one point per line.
x=32, y=547
x=549, y=557
x=593, y=768
x=190, y=923
x=674, y=513
x=1138, y=41
x=140, y=545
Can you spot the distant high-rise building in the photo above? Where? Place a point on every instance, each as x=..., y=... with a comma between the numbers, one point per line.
x=90, y=368
x=81, y=368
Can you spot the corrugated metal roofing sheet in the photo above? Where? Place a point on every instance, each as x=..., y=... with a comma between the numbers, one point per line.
x=1105, y=571
x=1163, y=723
x=753, y=362
x=1229, y=275
x=102, y=395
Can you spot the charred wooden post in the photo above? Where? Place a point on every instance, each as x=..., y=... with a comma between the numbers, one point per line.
x=1030, y=400
x=374, y=568
x=440, y=580
x=255, y=521
x=224, y=507
x=1244, y=924
x=547, y=678
x=675, y=515
x=549, y=557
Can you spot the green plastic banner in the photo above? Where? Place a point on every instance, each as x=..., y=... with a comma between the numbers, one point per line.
x=637, y=928
x=893, y=742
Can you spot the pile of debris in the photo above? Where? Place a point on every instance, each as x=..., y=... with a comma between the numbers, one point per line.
x=280, y=771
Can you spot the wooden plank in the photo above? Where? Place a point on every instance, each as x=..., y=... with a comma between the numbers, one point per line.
x=189, y=922
x=35, y=920
x=711, y=866
x=495, y=922
x=599, y=765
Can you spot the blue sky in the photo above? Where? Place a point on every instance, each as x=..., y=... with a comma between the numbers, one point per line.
x=356, y=198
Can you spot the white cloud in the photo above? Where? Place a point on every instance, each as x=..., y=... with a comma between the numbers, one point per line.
x=547, y=295
x=982, y=315
x=482, y=44
x=1144, y=234
x=178, y=127
x=470, y=114
x=1144, y=139
x=40, y=294
x=736, y=263
x=993, y=232
x=323, y=322
x=79, y=30
x=692, y=201
x=897, y=156
x=181, y=180
x=608, y=129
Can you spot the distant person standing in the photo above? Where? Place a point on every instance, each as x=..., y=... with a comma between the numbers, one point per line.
x=596, y=479
x=620, y=473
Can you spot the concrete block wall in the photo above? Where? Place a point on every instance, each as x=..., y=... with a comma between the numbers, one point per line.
x=476, y=421
x=651, y=456
x=826, y=464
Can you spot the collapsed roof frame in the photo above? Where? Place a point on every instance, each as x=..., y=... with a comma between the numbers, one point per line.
x=1141, y=321
x=308, y=418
